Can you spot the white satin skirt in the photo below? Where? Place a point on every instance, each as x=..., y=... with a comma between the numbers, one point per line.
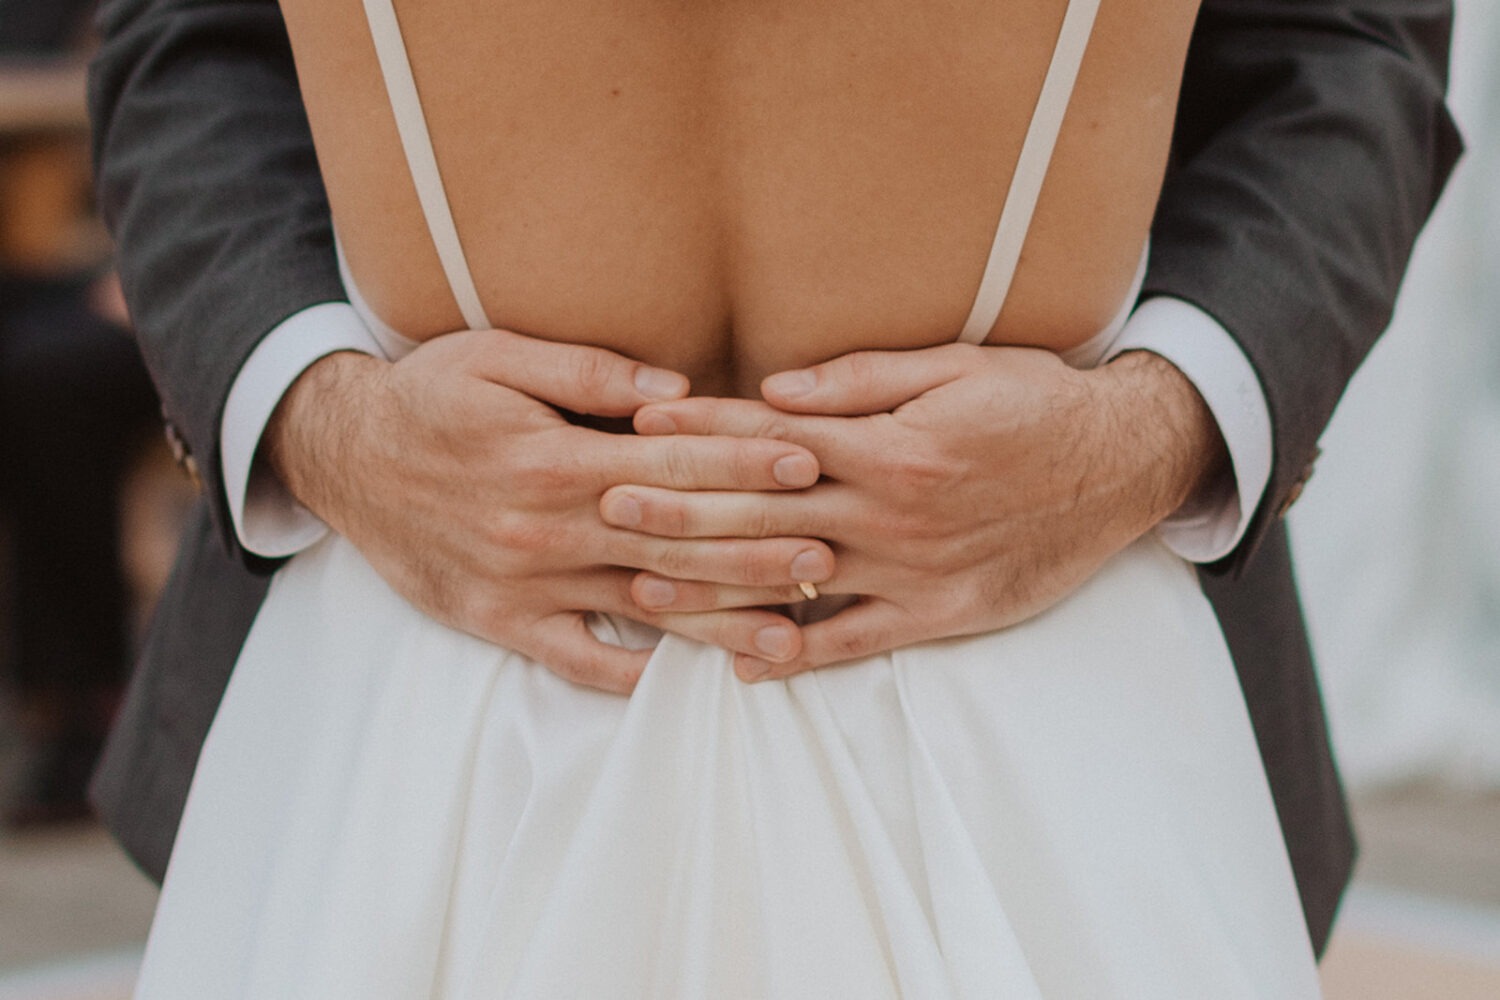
x=388, y=809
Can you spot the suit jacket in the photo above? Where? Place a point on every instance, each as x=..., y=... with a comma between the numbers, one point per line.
x=1312, y=143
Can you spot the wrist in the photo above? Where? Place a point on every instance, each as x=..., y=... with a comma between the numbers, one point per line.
x=315, y=426
x=1165, y=433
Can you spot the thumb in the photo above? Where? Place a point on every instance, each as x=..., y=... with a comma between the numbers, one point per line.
x=867, y=382
x=575, y=377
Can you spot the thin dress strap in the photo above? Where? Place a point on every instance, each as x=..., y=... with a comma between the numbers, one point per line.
x=1031, y=170
x=411, y=123
x=1010, y=234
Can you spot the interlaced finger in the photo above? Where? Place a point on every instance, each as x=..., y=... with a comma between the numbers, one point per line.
x=659, y=594
x=768, y=562
x=840, y=443
x=752, y=630
x=717, y=513
x=865, y=382
x=692, y=462
x=573, y=376
x=565, y=645
x=867, y=627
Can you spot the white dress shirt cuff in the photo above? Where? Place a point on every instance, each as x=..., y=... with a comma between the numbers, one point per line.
x=267, y=519
x=1198, y=345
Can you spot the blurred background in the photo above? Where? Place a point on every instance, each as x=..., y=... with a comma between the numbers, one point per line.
x=1398, y=542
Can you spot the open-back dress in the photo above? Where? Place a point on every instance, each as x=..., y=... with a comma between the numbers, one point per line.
x=1073, y=807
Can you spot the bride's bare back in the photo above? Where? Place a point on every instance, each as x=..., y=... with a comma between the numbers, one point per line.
x=732, y=189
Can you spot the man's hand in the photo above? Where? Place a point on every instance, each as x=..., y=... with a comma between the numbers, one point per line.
x=966, y=488
x=478, y=502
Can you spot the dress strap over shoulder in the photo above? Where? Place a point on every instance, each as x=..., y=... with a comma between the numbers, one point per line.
x=411, y=123
x=1031, y=169
x=1010, y=233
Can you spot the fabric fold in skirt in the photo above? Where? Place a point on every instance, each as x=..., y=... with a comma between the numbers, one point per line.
x=1070, y=808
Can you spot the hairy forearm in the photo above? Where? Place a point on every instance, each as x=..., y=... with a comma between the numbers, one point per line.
x=1167, y=436
x=315, y=435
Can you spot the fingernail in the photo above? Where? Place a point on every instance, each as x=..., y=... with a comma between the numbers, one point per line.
x=795, y=470
x=790, y=385
x=808, y=567
x=623, y=511
x=749, y=668
x=774, y=642
x=656, y=593
x=658, y=383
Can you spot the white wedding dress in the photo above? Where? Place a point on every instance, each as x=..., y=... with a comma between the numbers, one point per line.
x=1074, y=807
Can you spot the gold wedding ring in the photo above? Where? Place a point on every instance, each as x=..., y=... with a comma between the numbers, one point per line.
x=809, y=590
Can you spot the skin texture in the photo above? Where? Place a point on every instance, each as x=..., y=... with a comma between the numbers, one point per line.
x=732, y=190
x=475, y=499
x=965, y=488
x=1310, y=144
x=697, y=195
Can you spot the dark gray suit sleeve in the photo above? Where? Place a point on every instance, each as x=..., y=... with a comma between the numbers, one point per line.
x=1312, y=143
x=207, y=179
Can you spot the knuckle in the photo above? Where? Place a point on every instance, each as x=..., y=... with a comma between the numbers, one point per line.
x=775, y=425
x=690, y=415
x=700, y=597
x=550, y=476
x=679, y=463
x=551, y=483
x=899, y=526
x=910, y=530
x=525, y=544
x=849, y=644
x=513, y=534
x=862, y=366
x=939, y=560
x=592, y=372
x=680, y=521
x=667, y=517
x=785, y=594
x=761, y=566
x=923, y=478
x=741, y=642
x=592, y=668
x=570, y=657
x=603, y=668
x=748, y=463
x=715, y=630
x=915, y=473
x=532, y=470
x=569, y=667
x=674, y=561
